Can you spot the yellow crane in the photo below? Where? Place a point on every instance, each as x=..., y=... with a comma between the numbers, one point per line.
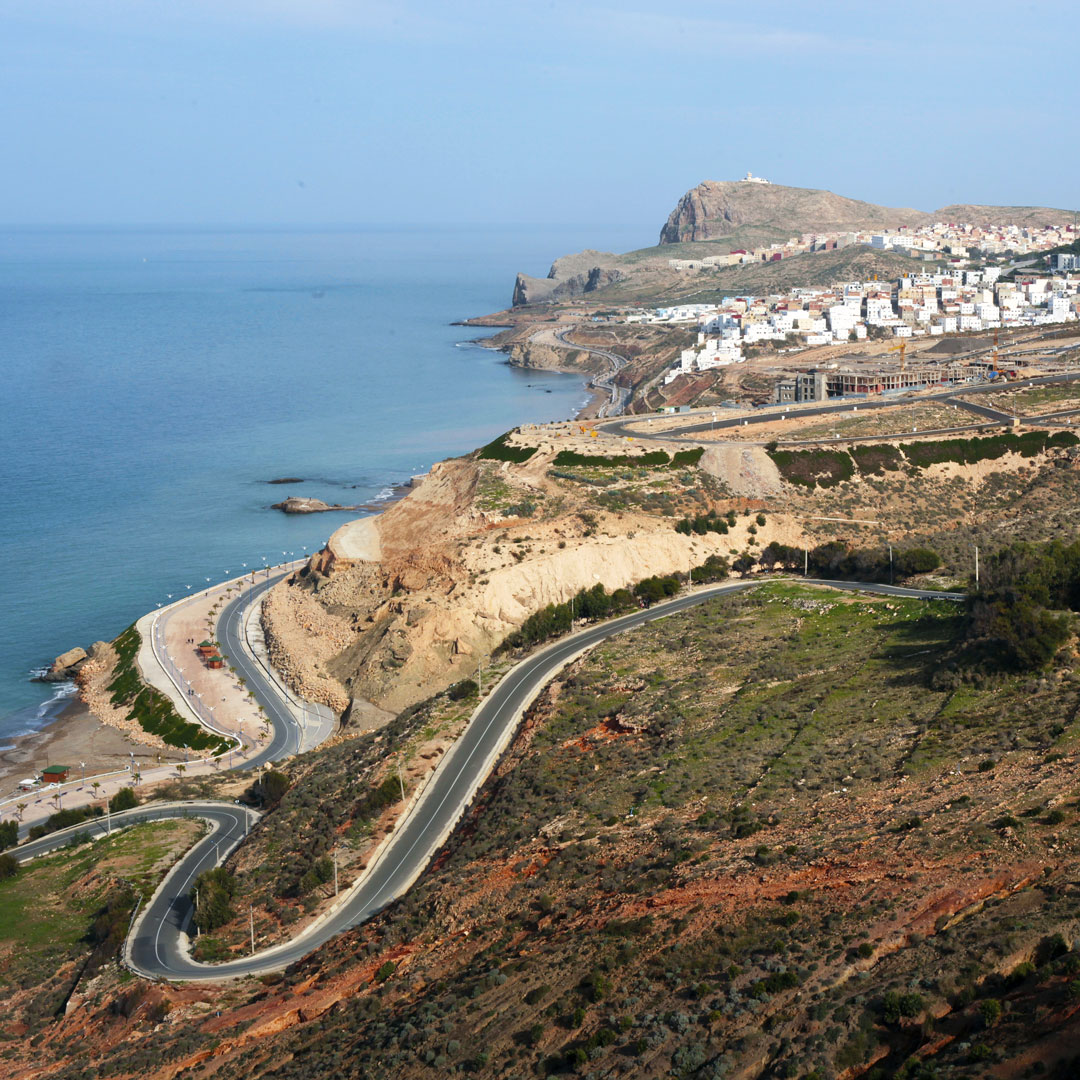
x=902, y=349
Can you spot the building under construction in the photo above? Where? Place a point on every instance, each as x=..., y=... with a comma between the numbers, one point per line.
x=862, y=376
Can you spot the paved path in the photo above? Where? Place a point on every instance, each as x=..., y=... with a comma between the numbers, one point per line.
x=620, y=397
x=157, y=949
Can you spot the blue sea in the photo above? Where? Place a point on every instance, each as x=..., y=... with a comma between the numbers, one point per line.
x=155, y=380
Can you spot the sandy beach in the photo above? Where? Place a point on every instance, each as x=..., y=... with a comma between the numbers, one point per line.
x=75, y=736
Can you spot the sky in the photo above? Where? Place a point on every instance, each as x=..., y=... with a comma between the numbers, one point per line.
x=371, y=112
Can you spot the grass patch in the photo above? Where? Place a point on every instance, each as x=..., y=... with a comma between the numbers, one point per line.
x=151, y=709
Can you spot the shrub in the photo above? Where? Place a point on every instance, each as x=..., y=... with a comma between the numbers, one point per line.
x=9, y=867
x=9, y=834
x=462, y=690
x=212, y=895
x=814, y=468
x=499, y=450
x=990, y=1011
x=124, y=799
x=272, y=787
x=385, y=971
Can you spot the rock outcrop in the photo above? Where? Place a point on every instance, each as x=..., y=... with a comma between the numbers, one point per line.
x=297, y=504
x=715, y=209
x=66, y=666
x=569, y=276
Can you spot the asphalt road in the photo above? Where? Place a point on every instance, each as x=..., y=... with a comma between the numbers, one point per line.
x=155, y=946
x=633, y=426
x=157, y=949
x=287, y=734
x=619, y=397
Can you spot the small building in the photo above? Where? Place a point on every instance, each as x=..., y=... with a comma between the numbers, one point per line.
x=215, y=661
x=206, y=649
x=55, y=774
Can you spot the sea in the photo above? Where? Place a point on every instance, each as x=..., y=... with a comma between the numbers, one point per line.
x=155, y=380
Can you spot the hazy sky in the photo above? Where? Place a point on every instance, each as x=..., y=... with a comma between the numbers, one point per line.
x=409, y=112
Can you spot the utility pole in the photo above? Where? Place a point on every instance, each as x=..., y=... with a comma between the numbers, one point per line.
x=108, y=818
x=335, y=871
x=890, y=565
x=401, y=782
x=805, y=562
x=196, y=912
x=976, y=567
x=251, y=916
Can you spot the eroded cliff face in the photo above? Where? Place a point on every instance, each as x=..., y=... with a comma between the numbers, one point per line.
x=398, y=607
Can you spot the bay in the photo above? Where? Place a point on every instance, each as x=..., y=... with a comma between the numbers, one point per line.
x=154, y=380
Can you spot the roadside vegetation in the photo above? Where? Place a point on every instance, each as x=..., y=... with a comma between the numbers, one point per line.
x=151, y=709
x=64, y=916
x=826, y=468
x=721, y=841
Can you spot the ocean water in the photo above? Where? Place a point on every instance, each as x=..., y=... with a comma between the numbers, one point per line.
x=153, y=381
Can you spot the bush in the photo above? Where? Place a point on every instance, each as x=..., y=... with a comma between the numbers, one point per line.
x=499, y=450
x=212, y=896
x=9, y=834
x=9, y=867
x=462, y=690
x=385, y=971
x=653, y=459
x=990, y=1011
x=124, y=799
x=272, y=787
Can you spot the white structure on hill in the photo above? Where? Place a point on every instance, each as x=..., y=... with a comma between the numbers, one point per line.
x=750, y=178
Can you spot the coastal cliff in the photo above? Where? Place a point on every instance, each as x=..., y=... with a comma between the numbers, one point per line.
x=716, y=209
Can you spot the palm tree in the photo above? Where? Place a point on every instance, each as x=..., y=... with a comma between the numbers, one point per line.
x=20, y=809
x=96, y=787
x=181, y=768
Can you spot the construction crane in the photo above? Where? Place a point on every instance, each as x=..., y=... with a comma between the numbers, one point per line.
x=902, y=349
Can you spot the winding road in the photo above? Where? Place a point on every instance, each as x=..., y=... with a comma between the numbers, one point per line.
x=620, y=397
x=157, y=947
x=287, y=732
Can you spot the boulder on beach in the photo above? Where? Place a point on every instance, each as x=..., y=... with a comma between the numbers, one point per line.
x=65, y=665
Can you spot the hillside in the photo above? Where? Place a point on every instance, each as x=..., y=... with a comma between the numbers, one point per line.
x=716, y=208
x=757, y=839
x=715, y=218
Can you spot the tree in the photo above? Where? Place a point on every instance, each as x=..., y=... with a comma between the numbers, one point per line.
x=212, y=895
x=9, y=867
x=95, y=787
x=9, y=834
x=990, y=1011
x=743, y=564
x=124, y=799
x=20, y=809
x=272, y=787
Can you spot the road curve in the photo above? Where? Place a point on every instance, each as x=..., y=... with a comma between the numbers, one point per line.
x=157, y=934
x=287, y=734
x=619, y=396
x=157, y=948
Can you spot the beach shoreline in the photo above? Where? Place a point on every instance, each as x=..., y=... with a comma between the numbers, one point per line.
x=74, y=736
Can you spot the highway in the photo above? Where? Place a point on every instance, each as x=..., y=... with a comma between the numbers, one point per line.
x=157, y=942
x=633, y=426
x=287, y=733
x=157, y=949
x=619, y=396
